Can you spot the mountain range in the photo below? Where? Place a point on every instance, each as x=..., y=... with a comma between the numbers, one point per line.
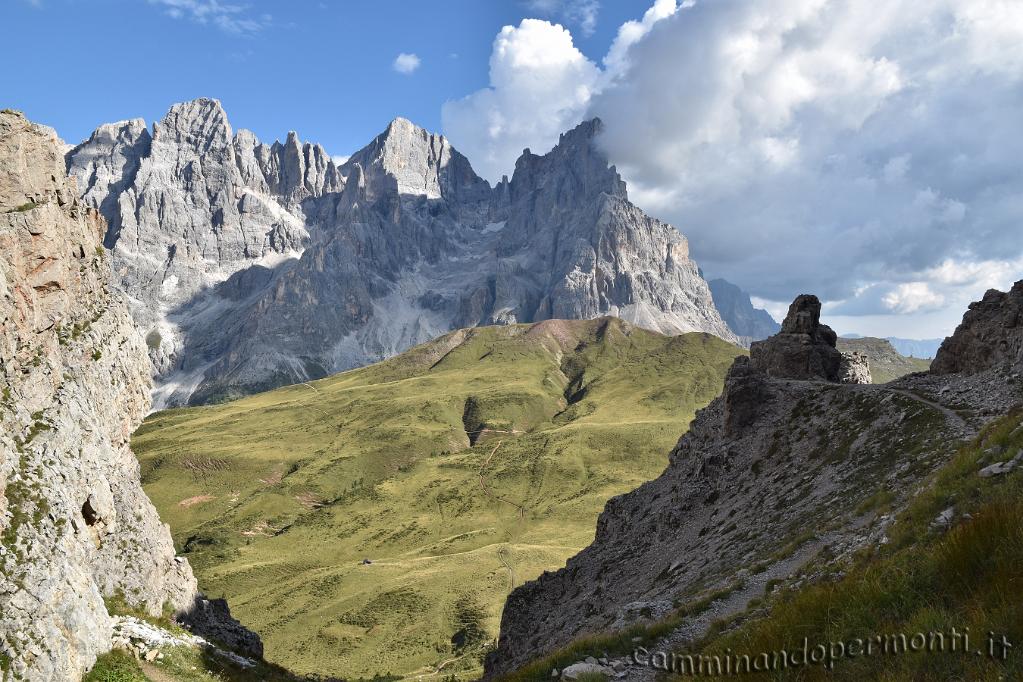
x=910, y=348
x=252, y=265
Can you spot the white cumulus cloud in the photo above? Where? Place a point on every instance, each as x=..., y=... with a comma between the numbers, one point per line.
x=850, y=149
x=540, y=84
x=912, y=297
x=406, y=63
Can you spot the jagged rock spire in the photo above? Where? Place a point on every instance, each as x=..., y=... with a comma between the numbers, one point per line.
x=805, y=349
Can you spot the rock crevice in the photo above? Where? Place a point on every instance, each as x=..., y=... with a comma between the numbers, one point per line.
x=251, y=265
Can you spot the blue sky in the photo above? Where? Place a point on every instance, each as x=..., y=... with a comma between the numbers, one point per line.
x=323, y=68
x=867, y=153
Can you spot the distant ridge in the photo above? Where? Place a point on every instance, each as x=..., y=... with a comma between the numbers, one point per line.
x=253, y=265
x=911, y=348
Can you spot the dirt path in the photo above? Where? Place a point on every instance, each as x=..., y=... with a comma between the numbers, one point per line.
x=430, y=671
x=502, y=555
x=312, y=407
x=949, y=413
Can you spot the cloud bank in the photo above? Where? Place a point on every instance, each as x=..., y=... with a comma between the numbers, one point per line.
x=868, y=153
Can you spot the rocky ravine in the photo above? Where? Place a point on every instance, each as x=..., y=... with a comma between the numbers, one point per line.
x=75, y=524
x=253, y=265
x=777, y=467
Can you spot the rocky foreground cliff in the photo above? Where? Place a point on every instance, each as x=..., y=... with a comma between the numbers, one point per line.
x=76, y=527
x=253, y=265
x=786, y=462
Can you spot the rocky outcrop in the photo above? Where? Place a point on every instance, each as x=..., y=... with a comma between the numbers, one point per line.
x=854, y=369
x=806, y=349
x=989, y=337
x=772, y=472
x=884, y=361
x=749, y=324
x=252, y=265
x=75, y=524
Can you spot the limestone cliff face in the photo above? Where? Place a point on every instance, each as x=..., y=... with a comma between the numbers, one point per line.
x=75, y=524
x=786, y=453
x=253, y=265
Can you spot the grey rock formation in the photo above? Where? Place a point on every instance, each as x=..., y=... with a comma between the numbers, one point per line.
x=780, y=456
x=75, y=525
x=804, y=348
x=192, y=204
x=749, y=324
x=989, y=337
x=253, y=266
x=854, y=368
x=885, y=362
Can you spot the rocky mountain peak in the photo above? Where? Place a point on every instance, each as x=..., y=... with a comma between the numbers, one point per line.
x=989, y=337
x=576, y=167
x=200, y=124
x=806, y=349
x=256, y=264
x=749, y=324
x=410, y=160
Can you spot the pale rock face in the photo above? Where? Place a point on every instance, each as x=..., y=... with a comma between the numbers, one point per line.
x=854, y=368
x=195, y=204
x=260, y=265
x=75, y=524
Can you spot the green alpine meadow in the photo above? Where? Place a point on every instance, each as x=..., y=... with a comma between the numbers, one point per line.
x=373, y=523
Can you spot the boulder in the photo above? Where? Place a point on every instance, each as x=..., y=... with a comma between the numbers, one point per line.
x=576, y=670
x=854, y=369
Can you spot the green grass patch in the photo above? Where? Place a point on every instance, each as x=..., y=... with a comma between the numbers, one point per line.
x=116, y=666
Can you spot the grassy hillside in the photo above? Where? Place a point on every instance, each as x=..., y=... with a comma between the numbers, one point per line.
x=925, y=580
x=374, y=521
x=886, y=363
